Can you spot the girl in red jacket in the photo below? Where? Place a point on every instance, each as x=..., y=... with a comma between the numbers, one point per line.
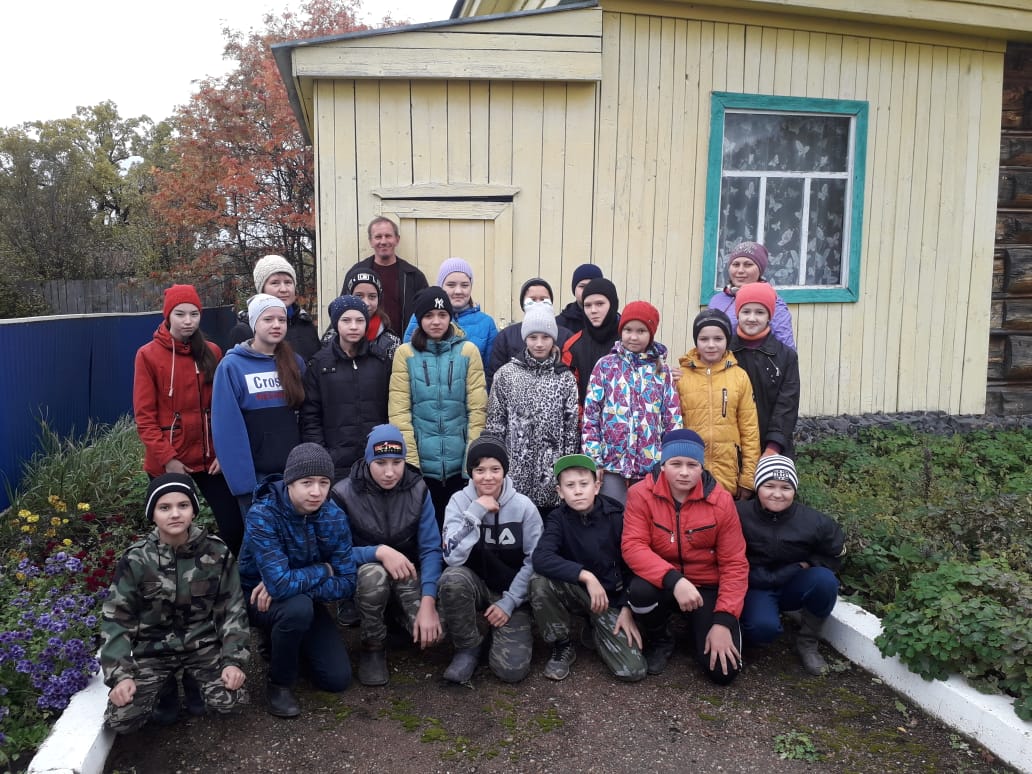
x=683, y=542
x=172, y=404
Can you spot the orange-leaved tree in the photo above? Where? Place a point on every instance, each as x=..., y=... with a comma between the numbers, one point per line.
x=241, y=180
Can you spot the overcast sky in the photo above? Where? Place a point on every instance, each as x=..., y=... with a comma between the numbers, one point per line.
x=145, y=56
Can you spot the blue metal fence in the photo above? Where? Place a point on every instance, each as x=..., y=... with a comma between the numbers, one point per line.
x=71, y=370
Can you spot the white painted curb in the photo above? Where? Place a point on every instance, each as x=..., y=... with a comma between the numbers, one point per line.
x=78, y=742
x=988, y=718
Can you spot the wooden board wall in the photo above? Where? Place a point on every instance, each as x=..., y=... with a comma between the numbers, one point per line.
x=917, y=339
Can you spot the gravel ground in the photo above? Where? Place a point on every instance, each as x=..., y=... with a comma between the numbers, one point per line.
x=588, y=723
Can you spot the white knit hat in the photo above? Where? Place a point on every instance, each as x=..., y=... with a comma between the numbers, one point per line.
x=269, y=265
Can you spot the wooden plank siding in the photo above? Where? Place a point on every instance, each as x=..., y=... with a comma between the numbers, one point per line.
x=922, y=317
x=444, y=156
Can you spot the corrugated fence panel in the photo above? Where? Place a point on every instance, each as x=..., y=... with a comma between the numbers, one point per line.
x=71, y=370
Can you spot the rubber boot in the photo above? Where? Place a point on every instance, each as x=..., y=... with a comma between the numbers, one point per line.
x=806, y=644
x=372, y=664
x=463, y=665
x=166, y=706
x=659, y=647
x=281, y=701
x=192, y=696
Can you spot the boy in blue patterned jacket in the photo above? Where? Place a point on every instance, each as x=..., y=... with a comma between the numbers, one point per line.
x=297, y=556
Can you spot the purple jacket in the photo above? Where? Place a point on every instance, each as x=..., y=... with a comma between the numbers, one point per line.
x=780, y=326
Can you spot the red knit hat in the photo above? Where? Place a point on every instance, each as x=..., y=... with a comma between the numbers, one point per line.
x=643, y=312
x=180, y=294
x=756, y=293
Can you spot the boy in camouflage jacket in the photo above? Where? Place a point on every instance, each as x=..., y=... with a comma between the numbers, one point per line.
x=175, y=604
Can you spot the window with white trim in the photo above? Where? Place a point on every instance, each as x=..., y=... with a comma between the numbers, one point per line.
x=788, y=172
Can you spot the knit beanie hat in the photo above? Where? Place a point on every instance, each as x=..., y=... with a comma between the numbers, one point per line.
x=600, y=286
x=756, y=293
x=385, y=442
x=269, y=265
x=167, y=484
x=709, y=317
x=539, y=318
x=574, y=461
x=643, y=312
x=776, y=467
x=429, y=299
x=453, y=265
x=259, y=303
x=342, y=304
x=487, y=446
x=683, y=443
x=180, y=294
x=307, y=460
x=583, y=272
x=754, y=251
x=531, y=283
x=359, y=276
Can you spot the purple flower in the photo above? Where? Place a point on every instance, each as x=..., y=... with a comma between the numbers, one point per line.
x=24, y=666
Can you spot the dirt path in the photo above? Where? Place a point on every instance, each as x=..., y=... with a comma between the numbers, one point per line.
x=588, y=723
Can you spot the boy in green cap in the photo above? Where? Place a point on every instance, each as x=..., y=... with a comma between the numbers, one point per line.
x=579, y=571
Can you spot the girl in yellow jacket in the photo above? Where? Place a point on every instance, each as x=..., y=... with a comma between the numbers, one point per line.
x=717, y=403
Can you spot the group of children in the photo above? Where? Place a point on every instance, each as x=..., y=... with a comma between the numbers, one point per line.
x=593, y=480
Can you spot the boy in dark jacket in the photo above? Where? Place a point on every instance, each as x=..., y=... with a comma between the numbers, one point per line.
x=793, y=554
x=149, y=633
x=297, y=556
x=397, y=548
x=683, y=542
x=579, y=572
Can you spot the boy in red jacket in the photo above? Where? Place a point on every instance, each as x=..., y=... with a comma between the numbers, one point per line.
x=683, y=541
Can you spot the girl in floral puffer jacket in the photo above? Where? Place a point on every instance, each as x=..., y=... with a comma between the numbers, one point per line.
x=631, y=402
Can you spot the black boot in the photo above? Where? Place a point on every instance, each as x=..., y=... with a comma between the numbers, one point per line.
x=166, y=706
x=192, y=695
x=659, y=647
x=282, y=702
x=372, y=664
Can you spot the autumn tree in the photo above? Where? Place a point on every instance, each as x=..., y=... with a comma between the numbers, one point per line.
x=241, y=181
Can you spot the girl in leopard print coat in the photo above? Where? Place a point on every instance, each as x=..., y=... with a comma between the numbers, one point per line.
x=533, y=407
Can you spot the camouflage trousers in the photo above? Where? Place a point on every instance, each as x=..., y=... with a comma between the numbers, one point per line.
x=204, y=664
x=376, y=590
x=462, y=597
x=555, y=602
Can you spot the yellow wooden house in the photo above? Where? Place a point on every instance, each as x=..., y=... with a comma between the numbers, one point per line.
x=862, y=146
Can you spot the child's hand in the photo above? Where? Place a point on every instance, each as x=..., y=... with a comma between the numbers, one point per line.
x=426, y=630
x=260, y=598
x=395, y=563
x=496, y=616
x=488, y=503
x=625, y=623
x=719, y=645
x=123, y=693
x=599, y=598
x=743, y=493
x=233, y=677
x=687, y=596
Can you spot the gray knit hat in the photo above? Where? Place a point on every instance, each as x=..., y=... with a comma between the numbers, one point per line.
x=259, y=303
x=269, y=265
x=539, y=318
x=307, y=460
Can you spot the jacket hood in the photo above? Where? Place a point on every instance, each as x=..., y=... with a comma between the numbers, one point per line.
x=551, y=363
x=275, y=488
x=244, y=349
x=195, y=537
x=653, y=352
x=693, y=361
x=164, y=337
x=457, y=339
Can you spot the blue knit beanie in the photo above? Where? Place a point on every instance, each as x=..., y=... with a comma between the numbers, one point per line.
x=342, y=304
x=683, y=443
x=385, y=443
x=583, y=272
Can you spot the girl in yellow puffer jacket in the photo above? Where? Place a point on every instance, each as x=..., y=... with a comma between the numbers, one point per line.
x=717, y=402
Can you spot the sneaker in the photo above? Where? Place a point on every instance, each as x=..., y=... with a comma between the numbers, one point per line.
x=563, y=656
x=463, y=665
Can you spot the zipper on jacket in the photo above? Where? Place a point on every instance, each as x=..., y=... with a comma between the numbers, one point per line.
x=680, y=554
x=664, y=529
x=723, y=403
x=688, y=533
x=451, y=368
x=426, y=374
x=172, y=428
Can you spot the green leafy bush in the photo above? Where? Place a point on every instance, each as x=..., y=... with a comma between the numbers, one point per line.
x=969, y=619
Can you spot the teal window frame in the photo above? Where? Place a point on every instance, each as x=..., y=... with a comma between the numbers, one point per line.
x=721, y=103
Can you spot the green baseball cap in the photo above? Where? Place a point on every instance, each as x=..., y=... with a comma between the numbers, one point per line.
x=574, y=461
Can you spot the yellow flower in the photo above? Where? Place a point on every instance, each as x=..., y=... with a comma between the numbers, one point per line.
x=83, y=506
x=20, y=576
x=66, y=542
x=32, y=518
x=64, y=521
x=60, y=507
x=27, y=528
x=53, y=499
x=50, y=533
x=24, y=513
x=55, y=522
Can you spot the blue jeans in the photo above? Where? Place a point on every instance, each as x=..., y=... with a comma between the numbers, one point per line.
x=814, y=590
x=301, y=627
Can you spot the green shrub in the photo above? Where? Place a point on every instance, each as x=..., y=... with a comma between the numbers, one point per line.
x=970, y=619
